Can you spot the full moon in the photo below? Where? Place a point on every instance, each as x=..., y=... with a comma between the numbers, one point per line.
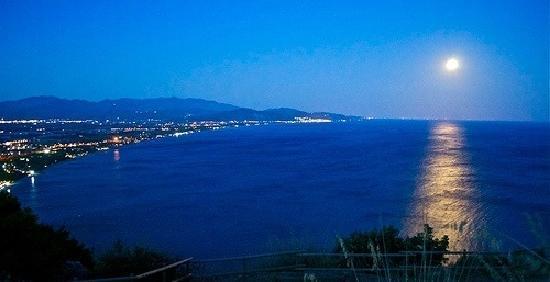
x=452, y=64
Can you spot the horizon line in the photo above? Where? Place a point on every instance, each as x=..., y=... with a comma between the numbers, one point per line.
x=367, y=117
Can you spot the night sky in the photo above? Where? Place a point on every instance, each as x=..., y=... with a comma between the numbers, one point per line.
x=383, y=59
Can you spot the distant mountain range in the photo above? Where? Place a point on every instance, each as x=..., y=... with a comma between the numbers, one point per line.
x=175, y=109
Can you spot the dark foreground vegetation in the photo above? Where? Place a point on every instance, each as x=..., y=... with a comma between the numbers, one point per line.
x=37, y=252
x=387, y=240
x=121, y=260
x=30, y=251
x=387, y=256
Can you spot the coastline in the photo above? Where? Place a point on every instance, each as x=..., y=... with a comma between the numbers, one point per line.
x=51, y=155
x=88, y=150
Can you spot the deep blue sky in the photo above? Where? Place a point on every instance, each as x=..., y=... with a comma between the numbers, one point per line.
x=379, y=59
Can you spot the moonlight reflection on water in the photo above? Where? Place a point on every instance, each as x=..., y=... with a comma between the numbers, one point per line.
x=445, y=197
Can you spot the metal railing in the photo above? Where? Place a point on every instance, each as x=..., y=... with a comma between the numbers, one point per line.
x=269, y=262
x=360, y=266
x=177, y=271
x=399, y=265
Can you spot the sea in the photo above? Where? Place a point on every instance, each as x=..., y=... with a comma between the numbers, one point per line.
x=268, y=188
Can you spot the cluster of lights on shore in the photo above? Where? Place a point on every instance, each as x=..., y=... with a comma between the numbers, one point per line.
x=118, y=134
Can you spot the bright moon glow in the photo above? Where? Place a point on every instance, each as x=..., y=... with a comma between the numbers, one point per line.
x=452, y=64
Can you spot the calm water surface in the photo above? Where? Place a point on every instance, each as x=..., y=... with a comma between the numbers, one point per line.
x=266, y=188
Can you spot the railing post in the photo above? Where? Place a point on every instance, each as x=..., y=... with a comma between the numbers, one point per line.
x=244, y=269
x=406, y=266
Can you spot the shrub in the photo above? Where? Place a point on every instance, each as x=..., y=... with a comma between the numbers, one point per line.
x=387, y=240
x=33, y=251
x=121, y=260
